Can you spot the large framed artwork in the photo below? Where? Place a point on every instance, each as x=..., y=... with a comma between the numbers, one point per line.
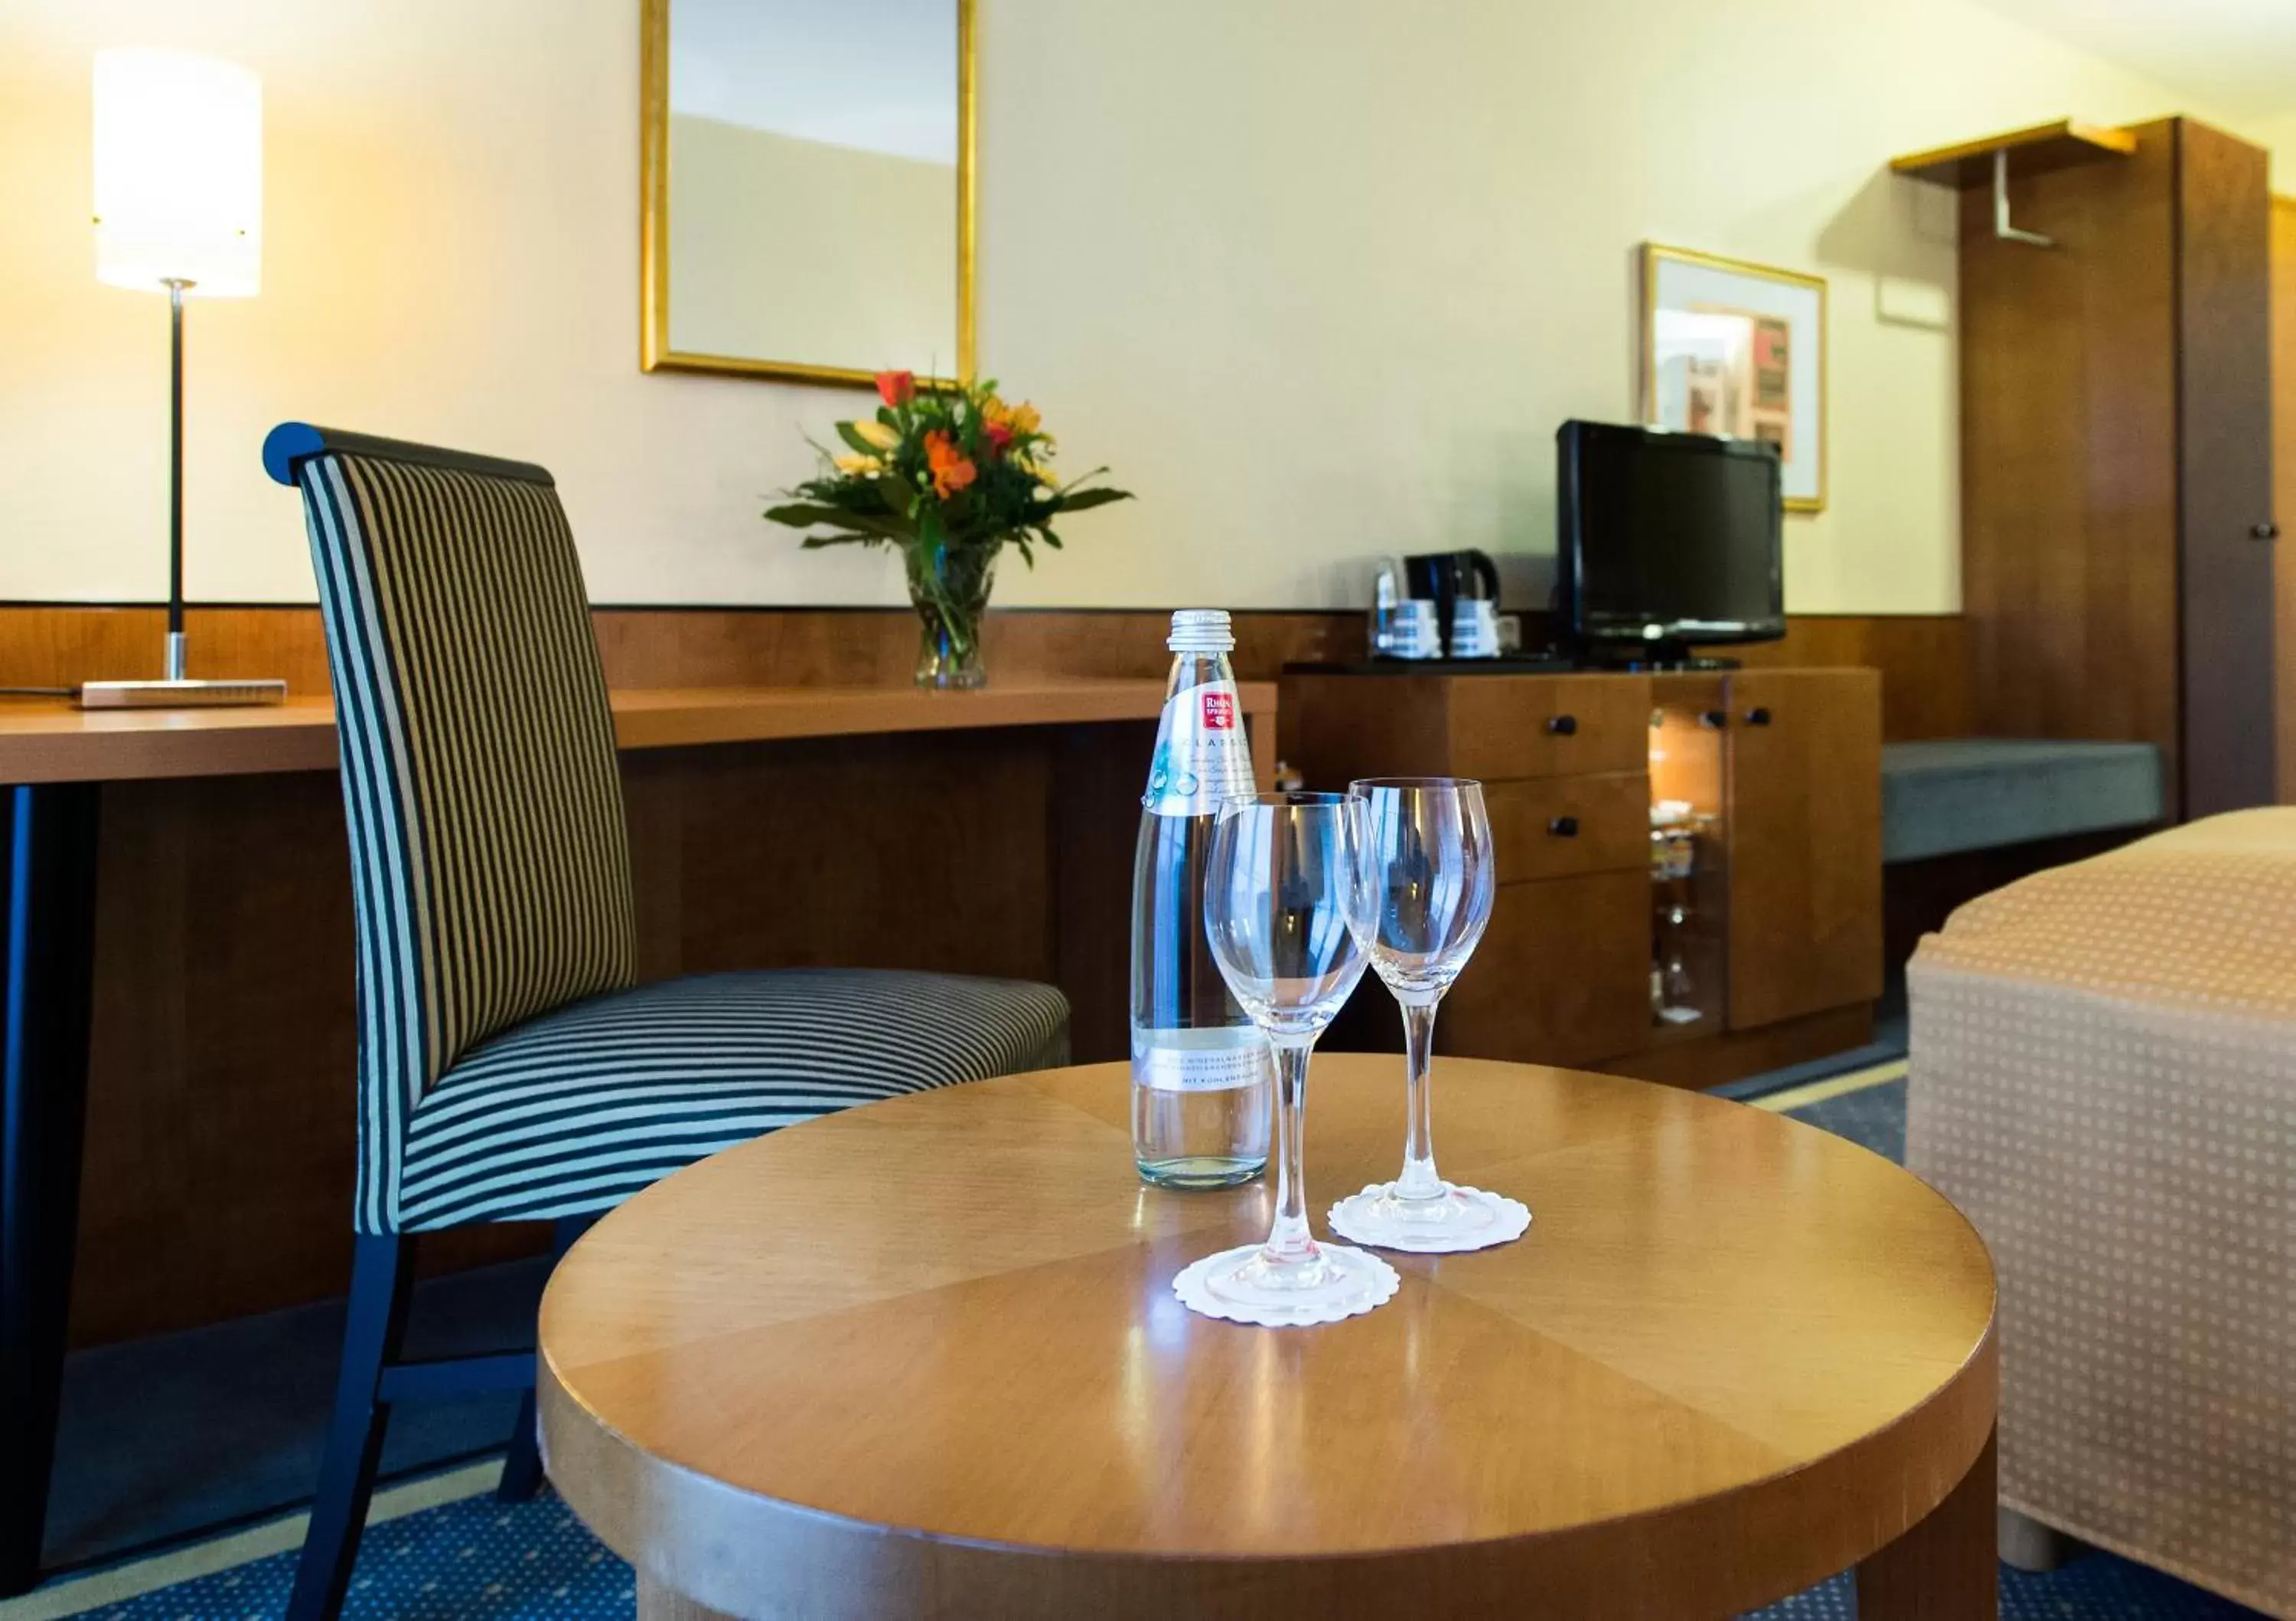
x=1739, y=350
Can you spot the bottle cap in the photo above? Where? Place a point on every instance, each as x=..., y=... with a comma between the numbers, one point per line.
x=1200, y=630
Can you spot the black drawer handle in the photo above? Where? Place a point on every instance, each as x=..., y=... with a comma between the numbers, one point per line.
x=2264, y=531
x=1562, y=725
x=1758, y=717
x=1563, y=827
x=1716, y=718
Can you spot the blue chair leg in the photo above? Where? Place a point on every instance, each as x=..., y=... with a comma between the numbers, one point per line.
x=380, y=1278
x=522, y=1476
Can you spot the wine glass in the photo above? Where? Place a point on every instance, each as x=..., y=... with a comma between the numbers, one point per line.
x=1280, y=893
x=1427, y=880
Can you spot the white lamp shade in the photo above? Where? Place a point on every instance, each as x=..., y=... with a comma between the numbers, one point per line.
x=179, y=173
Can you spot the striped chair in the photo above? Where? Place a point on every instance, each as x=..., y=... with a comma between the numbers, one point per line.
x=508, y=1069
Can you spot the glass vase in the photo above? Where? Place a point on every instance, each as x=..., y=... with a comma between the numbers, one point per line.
x=949, y=588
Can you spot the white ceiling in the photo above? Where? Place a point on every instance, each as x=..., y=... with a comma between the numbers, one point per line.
x=2236, y=58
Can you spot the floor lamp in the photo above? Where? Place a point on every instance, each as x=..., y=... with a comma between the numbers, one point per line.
x=178, y=207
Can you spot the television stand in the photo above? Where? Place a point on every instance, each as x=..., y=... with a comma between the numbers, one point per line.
x=1775, y=774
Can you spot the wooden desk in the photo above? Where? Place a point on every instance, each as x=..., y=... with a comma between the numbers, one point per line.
x=202, y=875
x=924, y=1358
x=50, y=740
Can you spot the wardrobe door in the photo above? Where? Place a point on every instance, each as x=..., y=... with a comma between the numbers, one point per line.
x=2224, y=517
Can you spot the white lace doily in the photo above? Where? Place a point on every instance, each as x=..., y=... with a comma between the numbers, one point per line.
x=1370, y=1282
x=1358, y=1218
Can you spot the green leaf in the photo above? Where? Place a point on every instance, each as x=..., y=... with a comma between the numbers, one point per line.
x=799, y=514
x=852, y=437
x=814, y=542
x=1085, y=499
x=896, y=492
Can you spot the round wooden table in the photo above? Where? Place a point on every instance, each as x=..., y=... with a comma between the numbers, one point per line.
x=923, y=1359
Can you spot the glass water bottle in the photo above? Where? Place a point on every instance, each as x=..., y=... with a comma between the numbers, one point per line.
x=1200, y=1074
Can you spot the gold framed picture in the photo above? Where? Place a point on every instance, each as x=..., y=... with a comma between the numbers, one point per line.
x=1738, y=349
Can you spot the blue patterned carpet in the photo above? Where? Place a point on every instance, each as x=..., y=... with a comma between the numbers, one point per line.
x=478, y=1560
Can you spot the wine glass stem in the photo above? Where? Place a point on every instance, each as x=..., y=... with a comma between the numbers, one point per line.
x=1419, y=1180
x=1288, y=1240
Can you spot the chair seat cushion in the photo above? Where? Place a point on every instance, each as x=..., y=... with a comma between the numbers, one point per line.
x=574, y=1111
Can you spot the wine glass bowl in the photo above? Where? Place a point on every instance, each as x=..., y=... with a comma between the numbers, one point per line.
x=1427, y=881
x=1282, y=896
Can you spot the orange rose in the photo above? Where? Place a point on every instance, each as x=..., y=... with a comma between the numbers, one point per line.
x=952, y=469
x=896, y=389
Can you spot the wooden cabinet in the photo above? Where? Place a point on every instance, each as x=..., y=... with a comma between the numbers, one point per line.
x=1784, y=769
x=1557, y=827
x=2116, y=430
x=1563, y=972
x=1802, y=763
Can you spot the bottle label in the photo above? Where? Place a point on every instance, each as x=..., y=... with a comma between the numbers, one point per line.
x=1220, y=1059
x=1201, y=757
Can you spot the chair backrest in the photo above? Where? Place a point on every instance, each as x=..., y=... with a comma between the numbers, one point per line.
x=489, y=858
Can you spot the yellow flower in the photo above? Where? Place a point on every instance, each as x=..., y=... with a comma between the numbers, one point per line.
x=877, y=434
x=1041, y=474
x=1021, y=419
x=859, y=464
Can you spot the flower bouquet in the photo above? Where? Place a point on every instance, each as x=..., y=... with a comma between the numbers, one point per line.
x=950, y=475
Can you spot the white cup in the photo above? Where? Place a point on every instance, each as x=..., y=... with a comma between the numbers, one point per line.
x=1474, y=628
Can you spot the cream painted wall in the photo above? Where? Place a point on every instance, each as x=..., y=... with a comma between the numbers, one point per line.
x=782, y=249
x=1318, y=277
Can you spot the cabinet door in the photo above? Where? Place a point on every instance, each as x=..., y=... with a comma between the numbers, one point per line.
x=1563, y=975
x=2224, y=396
x=1804, y=833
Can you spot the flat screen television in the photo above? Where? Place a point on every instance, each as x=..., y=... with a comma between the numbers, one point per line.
x=1667, y=540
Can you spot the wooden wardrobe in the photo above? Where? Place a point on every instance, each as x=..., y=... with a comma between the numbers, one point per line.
x=2116, y=430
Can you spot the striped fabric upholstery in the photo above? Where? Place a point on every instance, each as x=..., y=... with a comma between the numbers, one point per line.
x=573, y=1112
x=505, y=1068
x=489, y=855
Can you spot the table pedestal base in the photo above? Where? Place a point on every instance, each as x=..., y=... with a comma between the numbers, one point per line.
x=1947, y=1565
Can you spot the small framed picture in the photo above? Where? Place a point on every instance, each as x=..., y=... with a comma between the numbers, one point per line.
x=1738, y=349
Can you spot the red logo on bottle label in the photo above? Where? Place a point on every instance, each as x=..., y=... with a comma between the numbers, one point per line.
x=1219, y=711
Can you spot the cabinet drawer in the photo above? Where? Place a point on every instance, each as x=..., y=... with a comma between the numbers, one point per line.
x=1563, y=975
x=1555, y=827
x=1507, y=727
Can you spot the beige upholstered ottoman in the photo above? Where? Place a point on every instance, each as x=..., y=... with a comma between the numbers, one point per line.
x=2104, y=1079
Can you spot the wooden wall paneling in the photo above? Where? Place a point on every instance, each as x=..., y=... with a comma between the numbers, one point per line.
x=2069, y=465
x=2224, y=391
x=1924, y=660
x=801, y=646
x=2283, y=488
x=63, y=645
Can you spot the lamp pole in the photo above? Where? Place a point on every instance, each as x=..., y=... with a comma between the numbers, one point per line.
x=176, y=662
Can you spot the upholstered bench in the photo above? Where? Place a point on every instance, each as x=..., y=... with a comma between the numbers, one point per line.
x=1948, y=795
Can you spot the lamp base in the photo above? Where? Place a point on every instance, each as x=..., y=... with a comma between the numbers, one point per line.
x=180, y=694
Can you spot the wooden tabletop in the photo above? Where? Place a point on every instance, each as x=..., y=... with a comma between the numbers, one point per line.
x=924, y=1358
x=52, y=740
